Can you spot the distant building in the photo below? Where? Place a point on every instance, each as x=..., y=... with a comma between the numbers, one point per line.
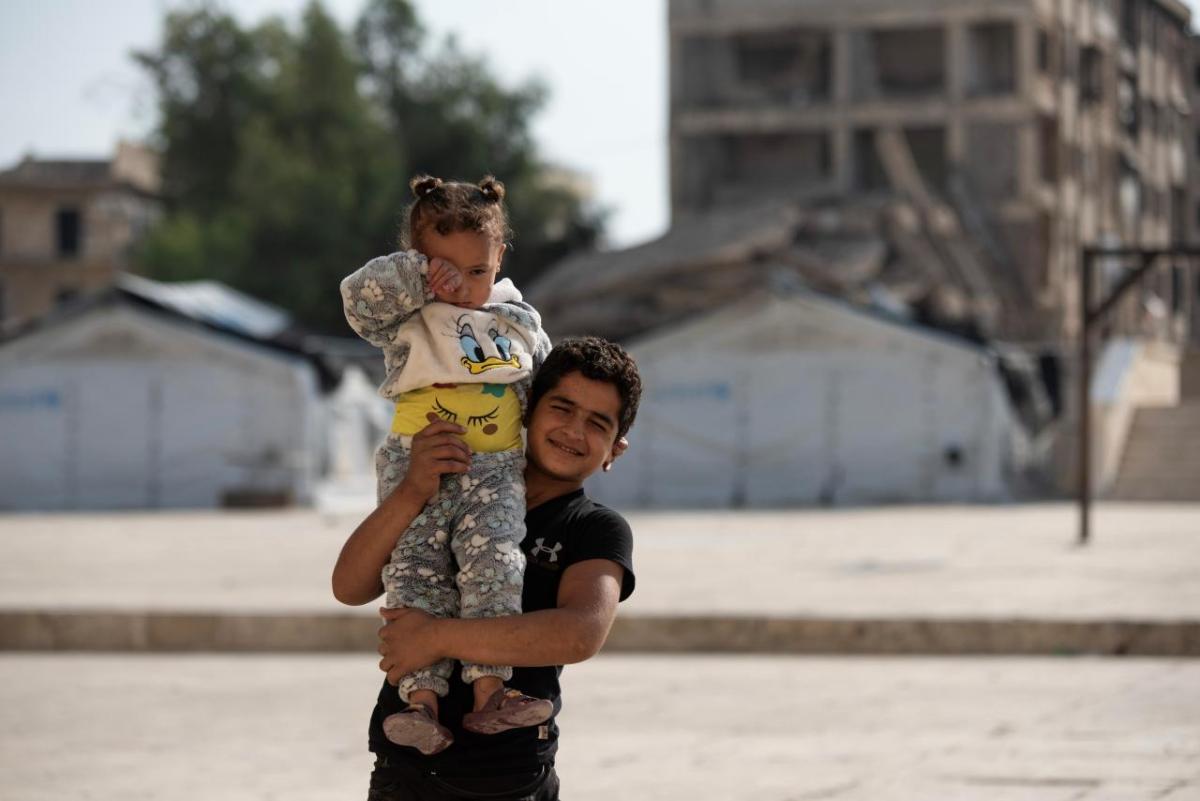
x=67, y=226
x=1192, y=214
x=1041, y=126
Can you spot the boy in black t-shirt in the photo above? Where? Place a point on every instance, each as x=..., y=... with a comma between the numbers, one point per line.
x=579, y=566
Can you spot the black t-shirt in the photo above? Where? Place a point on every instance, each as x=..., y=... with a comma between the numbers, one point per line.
x=560, y=532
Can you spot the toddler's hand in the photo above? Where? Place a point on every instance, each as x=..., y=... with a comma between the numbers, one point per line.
x=444, y=279
x=437, y=449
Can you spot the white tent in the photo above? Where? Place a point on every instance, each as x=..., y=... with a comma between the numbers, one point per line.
x=125, y=404
x=800, y=399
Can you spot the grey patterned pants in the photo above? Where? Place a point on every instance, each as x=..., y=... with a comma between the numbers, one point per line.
x=474, y=525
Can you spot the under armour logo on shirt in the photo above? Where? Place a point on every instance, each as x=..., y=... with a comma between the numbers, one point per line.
x=540, y=548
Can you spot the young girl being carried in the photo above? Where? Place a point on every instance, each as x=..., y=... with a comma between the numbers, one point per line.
x=458, y=344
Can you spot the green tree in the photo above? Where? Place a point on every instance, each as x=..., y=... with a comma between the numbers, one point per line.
x=287, y=153
x=207, y=73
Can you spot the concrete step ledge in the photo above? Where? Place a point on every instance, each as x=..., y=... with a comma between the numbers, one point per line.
x=125, y=631
x=1155, y=491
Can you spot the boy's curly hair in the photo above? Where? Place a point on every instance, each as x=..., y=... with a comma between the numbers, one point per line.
x=448, y=207
x=599, y=360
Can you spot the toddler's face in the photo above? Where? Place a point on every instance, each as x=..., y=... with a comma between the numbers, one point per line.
x=477, y=258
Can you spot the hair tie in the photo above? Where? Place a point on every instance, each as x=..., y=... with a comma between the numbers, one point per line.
x=491, y=189
x=423, y=185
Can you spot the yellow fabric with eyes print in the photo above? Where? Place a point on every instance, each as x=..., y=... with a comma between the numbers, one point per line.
x=491, y=413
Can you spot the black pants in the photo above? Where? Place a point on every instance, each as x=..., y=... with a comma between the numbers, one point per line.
x=393, y=780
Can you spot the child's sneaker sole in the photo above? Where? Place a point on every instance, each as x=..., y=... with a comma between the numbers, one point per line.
x=512, y=714
x=417, y=730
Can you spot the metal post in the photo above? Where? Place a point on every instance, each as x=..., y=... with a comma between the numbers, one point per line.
x=1085, y=400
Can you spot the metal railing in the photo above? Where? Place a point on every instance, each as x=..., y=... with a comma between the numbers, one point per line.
x=1090, y=318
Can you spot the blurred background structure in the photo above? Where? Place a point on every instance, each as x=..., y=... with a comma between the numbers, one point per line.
x=867, y=293
x=938, y=165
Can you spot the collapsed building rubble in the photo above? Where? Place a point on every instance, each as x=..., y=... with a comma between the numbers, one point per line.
x=909, y=252
x=892, y=255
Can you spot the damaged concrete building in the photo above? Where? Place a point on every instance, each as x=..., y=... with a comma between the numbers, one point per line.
x=969, y=149
x=940, y=162
x=1192, y=214
x=1041, y=126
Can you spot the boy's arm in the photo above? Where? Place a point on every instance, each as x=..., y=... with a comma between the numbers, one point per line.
x=383, y=293
x=437, y=449
x=572, y=632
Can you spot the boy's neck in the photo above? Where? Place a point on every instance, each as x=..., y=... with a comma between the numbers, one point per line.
x=540, y=488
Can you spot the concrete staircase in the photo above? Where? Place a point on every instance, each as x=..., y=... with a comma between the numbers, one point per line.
x=1162, y=455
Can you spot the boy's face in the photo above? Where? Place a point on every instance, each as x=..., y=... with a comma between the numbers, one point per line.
x=475, y=255
x=573, y=428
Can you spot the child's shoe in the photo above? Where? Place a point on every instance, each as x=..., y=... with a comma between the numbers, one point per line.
x=508, y=709
x=417, y=728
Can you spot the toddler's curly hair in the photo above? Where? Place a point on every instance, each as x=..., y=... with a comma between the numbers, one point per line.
x=448, y=207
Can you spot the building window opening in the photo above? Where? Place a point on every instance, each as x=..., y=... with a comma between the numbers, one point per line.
x=869, y=174
x=1178, y=214
x=991, y=59
x=774, y=163
x=1127, y=106
x=928, y=147
x=793, y=67
x=1091, y=75
x=1129, y=22
x=70, y=232
x=1043, y=52
x=1050, y=150
x=991, y=162
x=698, y=55
x=1129, y=197
x=900, y=63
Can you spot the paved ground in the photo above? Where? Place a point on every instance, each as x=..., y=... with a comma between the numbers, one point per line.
x=673, y=727
x=932, y=562
x=182, y=728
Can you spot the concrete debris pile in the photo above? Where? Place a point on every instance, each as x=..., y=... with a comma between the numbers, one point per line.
x=907, y=255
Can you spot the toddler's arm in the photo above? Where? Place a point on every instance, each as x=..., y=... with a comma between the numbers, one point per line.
x=542, y=349
x=383, y=293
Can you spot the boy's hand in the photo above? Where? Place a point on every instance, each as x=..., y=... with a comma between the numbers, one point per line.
x=444, y=279
x=405, y=642
x=437, y=449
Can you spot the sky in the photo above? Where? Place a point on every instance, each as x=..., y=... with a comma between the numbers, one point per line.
x=69, y=88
